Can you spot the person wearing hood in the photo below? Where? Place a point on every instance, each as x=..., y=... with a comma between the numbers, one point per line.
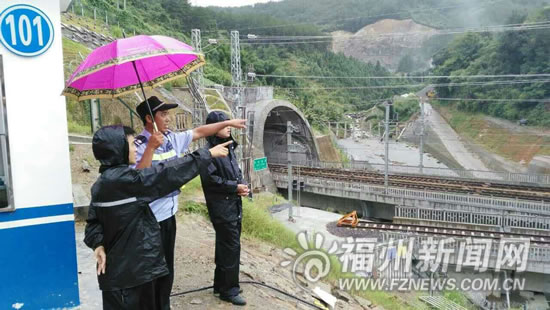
x=154, y=147
x=121, y=228
x=223, y=187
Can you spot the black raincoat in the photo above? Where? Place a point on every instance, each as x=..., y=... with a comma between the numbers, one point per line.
x=220, y=179
x=219, y=183
x=120, y=218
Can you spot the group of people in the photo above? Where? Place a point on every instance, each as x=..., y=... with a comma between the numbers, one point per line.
x=131, y=223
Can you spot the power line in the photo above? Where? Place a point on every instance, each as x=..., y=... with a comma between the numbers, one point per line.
x=492, y=83
x=495, y=100
x=370, y=16
x=330, y=38
x=282, y=134
x=403, y=77
x=502, y=27
x=397, y=34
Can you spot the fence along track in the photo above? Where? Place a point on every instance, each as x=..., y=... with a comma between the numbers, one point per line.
x=524, y=192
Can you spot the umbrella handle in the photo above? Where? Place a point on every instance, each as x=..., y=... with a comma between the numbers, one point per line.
x=145, y=97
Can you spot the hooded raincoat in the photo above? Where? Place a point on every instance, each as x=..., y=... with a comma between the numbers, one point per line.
x=219, y=182
x=120, y=218
x=220, y=179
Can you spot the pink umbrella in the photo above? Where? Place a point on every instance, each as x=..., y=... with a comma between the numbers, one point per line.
x=125, y=65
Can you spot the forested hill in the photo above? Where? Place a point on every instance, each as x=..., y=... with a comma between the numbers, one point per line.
x=321, y=100
x=515, y=52
x=328, y=99
x=352, y=15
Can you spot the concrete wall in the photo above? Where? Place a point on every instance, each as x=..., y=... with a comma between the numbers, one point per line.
x=540, y=165
x=249, y=94
x=327, y=151
x=343, y=205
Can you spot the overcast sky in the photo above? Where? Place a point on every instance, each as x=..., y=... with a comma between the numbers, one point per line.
x=227, y=2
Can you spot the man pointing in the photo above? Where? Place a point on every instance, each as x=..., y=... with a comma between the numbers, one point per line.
x=163, y=145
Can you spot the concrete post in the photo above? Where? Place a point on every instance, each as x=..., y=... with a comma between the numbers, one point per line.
x=289, y=166
x=96, y=124
x=386, y=143
x=421, y=149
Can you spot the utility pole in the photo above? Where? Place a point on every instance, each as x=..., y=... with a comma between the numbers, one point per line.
x=422, y=124
x=298, y=193
x=236, y=72
x=291, y=148
x=196, y=43
x=289, y=166
x=95, y=114
x=239, y=110
x=387, y=143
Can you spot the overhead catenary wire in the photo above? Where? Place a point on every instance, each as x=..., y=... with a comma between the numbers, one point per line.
x=478, y=76
x=396, y=143
x=331, y=38
x=288, y=40
x=491, y=83
x=492, y=28
x=495, y=100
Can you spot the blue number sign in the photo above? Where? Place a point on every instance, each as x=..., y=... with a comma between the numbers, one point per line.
x=25, y=30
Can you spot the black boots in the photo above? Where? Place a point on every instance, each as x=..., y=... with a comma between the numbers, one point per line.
x=236, y=300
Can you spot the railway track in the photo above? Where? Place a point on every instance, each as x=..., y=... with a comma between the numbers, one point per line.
x=351, y=221
x=426, y=183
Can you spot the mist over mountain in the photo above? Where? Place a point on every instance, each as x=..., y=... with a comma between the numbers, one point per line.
x=352, y=15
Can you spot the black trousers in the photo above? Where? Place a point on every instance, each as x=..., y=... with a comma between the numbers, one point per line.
x=227, y=258
x=136, y=298
x=163, y=285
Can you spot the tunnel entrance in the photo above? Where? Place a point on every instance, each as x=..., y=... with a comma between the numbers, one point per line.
x=275, y=138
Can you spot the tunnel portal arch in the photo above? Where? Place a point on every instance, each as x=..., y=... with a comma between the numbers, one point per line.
x=270, y=119
x=269, y=137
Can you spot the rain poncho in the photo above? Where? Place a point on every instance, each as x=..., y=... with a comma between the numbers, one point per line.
x=120, y=218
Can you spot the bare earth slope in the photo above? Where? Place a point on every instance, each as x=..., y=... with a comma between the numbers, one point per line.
x=386, y=41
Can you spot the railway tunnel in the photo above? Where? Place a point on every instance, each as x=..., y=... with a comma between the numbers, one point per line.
x=269, y=137
x=275, y=136
x=270, y=140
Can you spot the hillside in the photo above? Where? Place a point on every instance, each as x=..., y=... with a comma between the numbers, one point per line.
x=352, y=15
x=328, y=99
x=312, y=96
x=375, y=43
x=517, y=52
x=347, y=20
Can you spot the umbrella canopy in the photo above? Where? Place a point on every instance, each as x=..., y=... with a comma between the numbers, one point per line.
x=110, y=71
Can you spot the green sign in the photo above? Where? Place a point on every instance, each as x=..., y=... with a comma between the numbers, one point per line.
x=260, y=164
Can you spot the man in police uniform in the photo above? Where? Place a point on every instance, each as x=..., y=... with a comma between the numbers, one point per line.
x=163, y=145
